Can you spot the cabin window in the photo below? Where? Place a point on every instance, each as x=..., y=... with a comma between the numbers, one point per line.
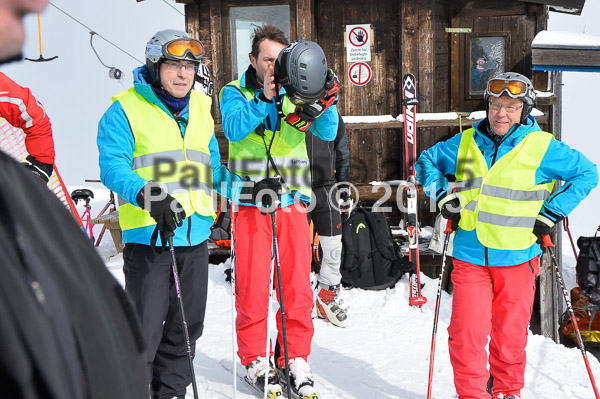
x=486, y=58
x=243, y=21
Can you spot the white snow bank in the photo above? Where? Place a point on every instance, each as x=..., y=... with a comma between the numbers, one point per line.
x=368, y=118
x=566, y=40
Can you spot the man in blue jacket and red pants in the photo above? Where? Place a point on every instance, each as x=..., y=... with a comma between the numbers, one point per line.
x=505, y=169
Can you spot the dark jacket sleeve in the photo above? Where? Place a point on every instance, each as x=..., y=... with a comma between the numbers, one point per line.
x=342, y=154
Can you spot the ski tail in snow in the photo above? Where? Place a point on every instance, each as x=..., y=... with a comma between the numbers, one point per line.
x=409, y=106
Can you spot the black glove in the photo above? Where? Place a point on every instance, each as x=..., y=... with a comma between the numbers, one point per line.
x=543, y=226
x=41, y=170
x=450, y=208
x=164, y=209
x=265, y=191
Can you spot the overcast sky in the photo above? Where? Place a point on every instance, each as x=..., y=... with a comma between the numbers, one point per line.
x=76, y=90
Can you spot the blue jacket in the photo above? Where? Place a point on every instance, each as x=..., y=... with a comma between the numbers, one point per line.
x=116, y=144
x=240, y=118
x=559, y=163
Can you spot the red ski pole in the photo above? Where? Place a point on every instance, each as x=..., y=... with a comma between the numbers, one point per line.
x=547, y=242
x=448, y=231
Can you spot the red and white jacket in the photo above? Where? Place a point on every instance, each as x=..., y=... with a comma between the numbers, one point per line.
x=21, y=109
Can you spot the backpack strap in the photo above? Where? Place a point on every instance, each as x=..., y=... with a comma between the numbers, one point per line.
x=382, y=235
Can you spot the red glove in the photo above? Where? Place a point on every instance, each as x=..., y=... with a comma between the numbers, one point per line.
x=314, y=110
x=303, y=117
x=297, y=121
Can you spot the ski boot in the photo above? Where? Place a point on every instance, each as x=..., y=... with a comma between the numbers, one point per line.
x=329, y=306
x=301, y=380
x=255, y=376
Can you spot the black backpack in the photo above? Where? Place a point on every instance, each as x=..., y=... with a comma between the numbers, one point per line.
x=588, y=268
x=370, y=258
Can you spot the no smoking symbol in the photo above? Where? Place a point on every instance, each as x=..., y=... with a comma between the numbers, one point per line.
x=360, y=73
x=358, y=37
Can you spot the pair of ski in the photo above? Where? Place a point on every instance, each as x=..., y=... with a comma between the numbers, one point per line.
x=409, y=106
x=258, y=388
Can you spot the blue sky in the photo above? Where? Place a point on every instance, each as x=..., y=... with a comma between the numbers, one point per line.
x=75, y=88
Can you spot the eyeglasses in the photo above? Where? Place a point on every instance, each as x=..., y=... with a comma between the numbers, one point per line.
x=509, y=108
x=179, y=48
x=176, y=66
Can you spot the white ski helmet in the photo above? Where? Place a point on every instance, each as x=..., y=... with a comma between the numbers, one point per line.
x=514, y=85
x=171, y=44
x=301, y=68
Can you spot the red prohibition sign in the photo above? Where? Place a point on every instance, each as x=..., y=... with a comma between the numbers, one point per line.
x=359, y=73
x=357, y=34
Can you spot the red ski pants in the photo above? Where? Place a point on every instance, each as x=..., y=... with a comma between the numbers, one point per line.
x=494, y=301
x=253, y=243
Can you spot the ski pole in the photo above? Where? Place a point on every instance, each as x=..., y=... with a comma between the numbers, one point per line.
x=183, y=322
x=281, y=307
x=547, y=242
x=448, y=231
x=233, y=313
x=566, y=226
x=268, y=340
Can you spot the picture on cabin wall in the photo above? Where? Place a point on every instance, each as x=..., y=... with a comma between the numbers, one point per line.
x=487, y=58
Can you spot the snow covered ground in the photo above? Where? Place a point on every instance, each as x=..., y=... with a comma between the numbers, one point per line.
x=384, y=353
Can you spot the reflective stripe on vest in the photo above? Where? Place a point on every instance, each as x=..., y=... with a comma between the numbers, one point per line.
x=502, y=203
x=182, y=164
x=248, y=157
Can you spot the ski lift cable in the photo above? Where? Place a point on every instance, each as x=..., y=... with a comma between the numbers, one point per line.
x=91, y=30
x=170, y=5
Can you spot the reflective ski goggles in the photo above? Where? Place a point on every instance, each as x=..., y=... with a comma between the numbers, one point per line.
x=301, y=101
x=514, y=88
x=177, y=50
x=297, y=98
x=180, y=48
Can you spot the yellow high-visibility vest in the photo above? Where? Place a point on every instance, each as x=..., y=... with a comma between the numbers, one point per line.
x=161, y=154
x=248, y=157
x=502, y=203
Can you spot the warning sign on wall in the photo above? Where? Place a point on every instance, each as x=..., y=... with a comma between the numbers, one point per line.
x=360, y=73
x=358, y=43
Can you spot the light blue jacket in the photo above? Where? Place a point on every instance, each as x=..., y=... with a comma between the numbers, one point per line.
x=560, y=162
x=240, y=118
x=116, y=144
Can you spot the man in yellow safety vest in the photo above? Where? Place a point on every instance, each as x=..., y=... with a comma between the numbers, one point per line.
x=158, y=151
x=505, y=168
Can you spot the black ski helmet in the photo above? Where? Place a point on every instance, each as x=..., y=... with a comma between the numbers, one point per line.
x=301, y=68
x=514, y=85
x=171, y=44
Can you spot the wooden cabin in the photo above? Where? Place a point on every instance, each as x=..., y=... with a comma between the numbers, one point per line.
x=452, y=47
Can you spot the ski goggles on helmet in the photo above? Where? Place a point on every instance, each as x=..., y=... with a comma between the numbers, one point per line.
x=179, y=49
x=513, y=88
x=300, y=100
x=297, y=98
